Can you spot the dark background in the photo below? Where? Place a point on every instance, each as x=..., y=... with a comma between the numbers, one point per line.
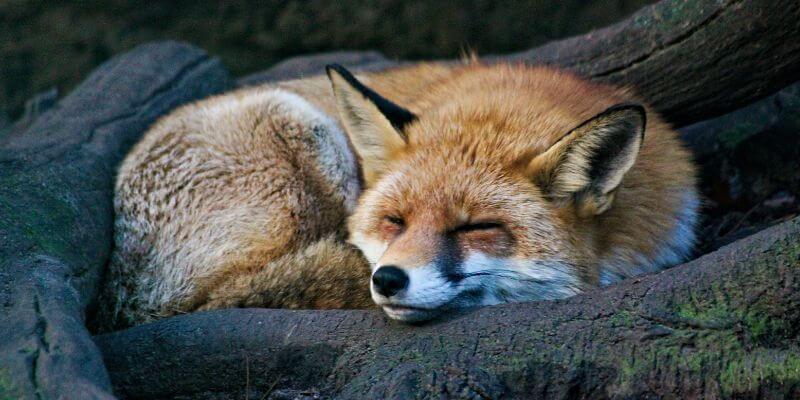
x=49, y=44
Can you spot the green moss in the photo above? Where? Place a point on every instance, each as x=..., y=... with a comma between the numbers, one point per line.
x=713, y=314
x=715, y=335
x=745, y=370
x=39, y=219
x=720, y=308
x=628, y=370
x=679, y=11
x=757, y=322
x=660, y=354
x=695, y=362
x=763, y=328
x=622, y=318
x=747, y=373
x=789, y=247
x=8, y=391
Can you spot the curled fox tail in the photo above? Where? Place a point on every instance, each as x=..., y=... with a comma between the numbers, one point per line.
x=331, y=274
x=223, y=195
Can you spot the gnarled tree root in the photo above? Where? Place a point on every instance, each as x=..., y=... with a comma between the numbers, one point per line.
x=724, y=325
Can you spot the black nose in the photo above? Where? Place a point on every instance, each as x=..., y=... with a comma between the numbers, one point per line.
x=389, y=280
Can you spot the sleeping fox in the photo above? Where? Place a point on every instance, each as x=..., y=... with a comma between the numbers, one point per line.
x=421, y=189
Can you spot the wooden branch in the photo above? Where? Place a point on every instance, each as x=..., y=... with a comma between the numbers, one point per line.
x=314, y=64
x=748, y=168
x=691, y=59
x=56, y=217
x=725, y=325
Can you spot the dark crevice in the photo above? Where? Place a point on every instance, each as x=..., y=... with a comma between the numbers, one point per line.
x=34, y=374
x=135, y=109
x=41, y=324
x=179, y=75
x=44, y=346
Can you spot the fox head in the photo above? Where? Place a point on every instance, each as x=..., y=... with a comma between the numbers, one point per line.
x=457, y=211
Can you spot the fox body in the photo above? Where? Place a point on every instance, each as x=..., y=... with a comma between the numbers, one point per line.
x=238, y=200
x=461, y=185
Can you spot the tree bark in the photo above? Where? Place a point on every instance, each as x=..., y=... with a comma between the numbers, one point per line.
x=724, y=325
x=56, y=180
x=691, y=60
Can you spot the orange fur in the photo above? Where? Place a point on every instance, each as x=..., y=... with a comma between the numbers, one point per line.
x=476, y=153
x=237, y=201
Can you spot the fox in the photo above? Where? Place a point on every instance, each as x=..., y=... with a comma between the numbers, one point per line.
x=420, y=190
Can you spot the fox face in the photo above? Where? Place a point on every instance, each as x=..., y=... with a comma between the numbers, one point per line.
x=454, y=234
x=463, y=209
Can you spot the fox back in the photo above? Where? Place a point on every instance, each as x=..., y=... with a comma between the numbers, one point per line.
x=238, y=200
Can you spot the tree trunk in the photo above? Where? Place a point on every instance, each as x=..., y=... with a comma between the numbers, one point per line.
x=691, y=60
x=56, y=180
x=724, y=325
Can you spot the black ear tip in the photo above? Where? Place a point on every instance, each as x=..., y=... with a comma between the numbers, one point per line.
x=330, y=68
x=635, y=110
x=623, y=107
x=639, y=109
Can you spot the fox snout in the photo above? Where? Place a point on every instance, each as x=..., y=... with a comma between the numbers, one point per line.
x=412, y=294
x=389, y=280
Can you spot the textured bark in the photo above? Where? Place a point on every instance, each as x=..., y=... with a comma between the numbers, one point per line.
x=310, y=65
x=56, y=178
x=692, y=60
x=724, y=325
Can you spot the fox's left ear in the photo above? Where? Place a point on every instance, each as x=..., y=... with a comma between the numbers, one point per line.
x=586, y=166
x=373, y=123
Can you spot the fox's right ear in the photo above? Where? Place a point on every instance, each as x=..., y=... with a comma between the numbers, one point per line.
x=374, y=124
x=587, y=165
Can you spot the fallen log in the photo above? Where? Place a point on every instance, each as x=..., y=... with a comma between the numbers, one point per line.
x=56, y=219
x=724, y=325
x=314, y=64
x=691, y=60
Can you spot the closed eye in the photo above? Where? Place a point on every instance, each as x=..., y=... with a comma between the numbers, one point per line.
x=395, y=220
x=477, y=226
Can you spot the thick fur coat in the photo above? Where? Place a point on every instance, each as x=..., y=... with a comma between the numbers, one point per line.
x=242, y=199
